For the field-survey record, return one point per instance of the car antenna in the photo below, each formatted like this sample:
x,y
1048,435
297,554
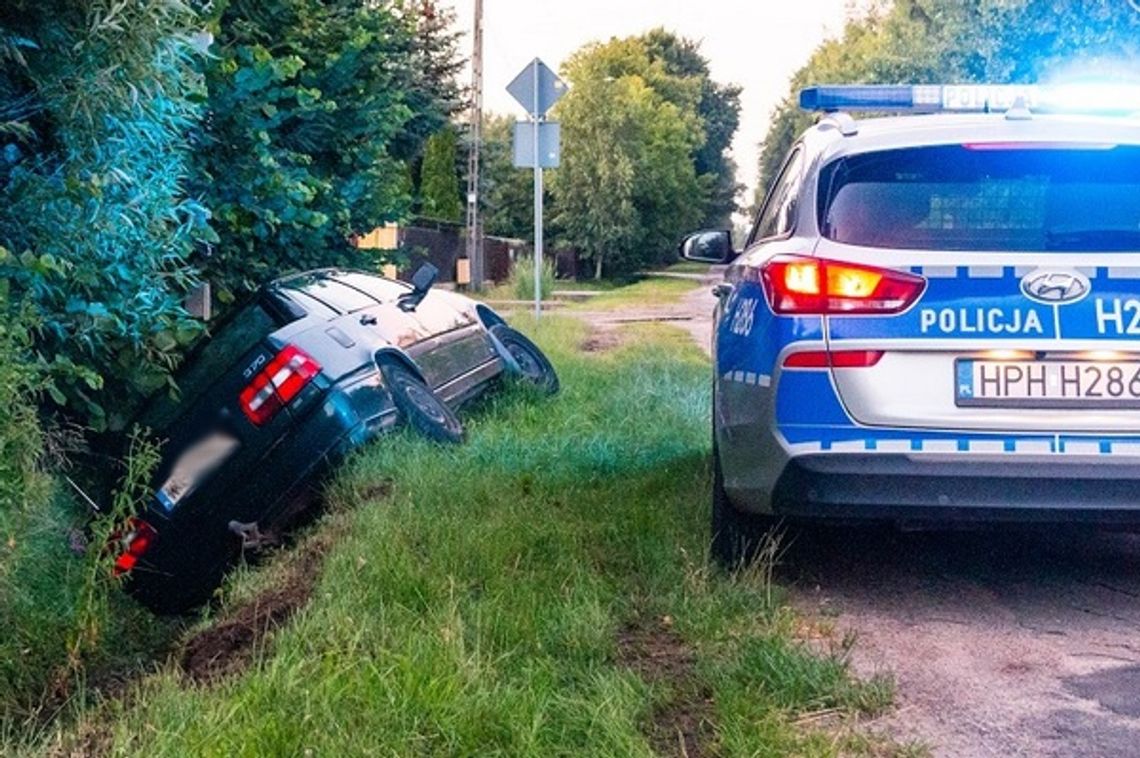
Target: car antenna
x,y
87,498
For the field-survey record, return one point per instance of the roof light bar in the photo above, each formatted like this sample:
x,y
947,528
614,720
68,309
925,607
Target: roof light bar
x,y
1091,98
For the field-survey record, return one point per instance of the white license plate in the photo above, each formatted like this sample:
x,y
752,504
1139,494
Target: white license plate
x,y
1048,384
194,465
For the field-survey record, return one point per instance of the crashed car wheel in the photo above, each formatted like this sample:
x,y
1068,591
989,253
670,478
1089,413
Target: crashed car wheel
x,y
736,535
533,365
420,407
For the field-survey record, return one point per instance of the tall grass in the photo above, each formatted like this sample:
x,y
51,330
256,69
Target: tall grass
x,y
521,280
476,605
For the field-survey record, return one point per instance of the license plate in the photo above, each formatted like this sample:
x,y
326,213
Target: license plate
x,y
194,466
1048,384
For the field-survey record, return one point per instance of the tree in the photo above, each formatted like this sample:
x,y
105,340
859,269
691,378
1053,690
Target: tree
x,y
96,98
315,109
439,183
628,187
999,41
719,109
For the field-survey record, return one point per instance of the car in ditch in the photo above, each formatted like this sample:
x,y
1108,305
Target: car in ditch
x,y
319,364
936,315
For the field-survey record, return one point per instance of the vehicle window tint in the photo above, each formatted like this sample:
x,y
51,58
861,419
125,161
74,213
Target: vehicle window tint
x,y
961,198
332,293
384,290
778,218
209,361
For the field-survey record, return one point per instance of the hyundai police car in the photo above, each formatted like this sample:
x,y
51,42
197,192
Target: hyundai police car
x,y
936,316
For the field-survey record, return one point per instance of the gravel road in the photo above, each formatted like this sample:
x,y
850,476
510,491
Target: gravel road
x,y
1003,642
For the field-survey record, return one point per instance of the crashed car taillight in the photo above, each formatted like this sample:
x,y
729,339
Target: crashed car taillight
x,y
132,544
277,384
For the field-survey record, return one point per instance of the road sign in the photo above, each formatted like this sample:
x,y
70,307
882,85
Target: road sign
x,y
537,88
549,144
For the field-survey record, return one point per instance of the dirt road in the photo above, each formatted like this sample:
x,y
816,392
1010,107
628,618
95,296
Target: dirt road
x,y
1003,643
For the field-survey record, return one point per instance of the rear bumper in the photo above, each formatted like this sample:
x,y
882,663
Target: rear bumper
x,y
901,488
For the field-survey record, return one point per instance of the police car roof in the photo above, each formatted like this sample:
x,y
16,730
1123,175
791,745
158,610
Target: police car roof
x,y
895,132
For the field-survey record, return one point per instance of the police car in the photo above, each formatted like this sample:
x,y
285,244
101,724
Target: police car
x,y
935,316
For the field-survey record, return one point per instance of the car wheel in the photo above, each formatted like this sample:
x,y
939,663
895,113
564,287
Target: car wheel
x,y
420,407
736,535
533,365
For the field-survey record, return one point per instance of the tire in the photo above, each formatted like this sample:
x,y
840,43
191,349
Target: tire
x,y
736,535
533,365
420,407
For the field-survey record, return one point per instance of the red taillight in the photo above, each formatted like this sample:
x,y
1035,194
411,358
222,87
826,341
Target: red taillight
x,y
132,544
278,383
803,285
837,359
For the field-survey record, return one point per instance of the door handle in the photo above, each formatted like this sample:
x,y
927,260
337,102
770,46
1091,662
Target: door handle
x,y
368,320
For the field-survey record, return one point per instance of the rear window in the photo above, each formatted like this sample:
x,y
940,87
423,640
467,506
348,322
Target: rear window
x,y
980,198
208,362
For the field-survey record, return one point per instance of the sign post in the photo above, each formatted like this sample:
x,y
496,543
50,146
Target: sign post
x,y
537,144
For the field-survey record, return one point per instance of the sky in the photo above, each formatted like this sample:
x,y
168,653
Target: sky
x,y
757,44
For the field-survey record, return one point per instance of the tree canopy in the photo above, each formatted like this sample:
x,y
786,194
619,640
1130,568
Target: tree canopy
x,y
639,167
930,42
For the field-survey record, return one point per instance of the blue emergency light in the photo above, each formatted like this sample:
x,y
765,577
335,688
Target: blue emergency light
x,y
1084,97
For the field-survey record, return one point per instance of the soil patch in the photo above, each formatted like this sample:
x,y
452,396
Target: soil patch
x,y
228,647
601,341
655,652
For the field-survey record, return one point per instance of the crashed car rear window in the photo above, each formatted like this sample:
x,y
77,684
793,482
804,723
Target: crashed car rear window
x,y
985,197
208,362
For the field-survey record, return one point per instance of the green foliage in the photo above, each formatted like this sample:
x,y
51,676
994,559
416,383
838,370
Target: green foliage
x,y
628,188
439,182
998,41
314,109
95,101
719,111
63,616
521,281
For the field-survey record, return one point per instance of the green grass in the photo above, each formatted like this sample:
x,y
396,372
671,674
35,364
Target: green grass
x,y
475,603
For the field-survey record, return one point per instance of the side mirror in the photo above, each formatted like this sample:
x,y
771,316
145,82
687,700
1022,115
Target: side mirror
x,y
708,247
422,282
424,278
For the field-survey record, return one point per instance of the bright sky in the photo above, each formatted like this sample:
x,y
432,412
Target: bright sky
x,y
757,44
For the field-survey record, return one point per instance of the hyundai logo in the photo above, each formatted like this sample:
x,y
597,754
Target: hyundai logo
x,y
1056,287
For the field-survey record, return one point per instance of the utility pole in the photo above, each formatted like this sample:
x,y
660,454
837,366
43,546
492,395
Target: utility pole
x,y
474,221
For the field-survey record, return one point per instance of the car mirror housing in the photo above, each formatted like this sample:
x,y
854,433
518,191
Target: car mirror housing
x,y
712,246
422,282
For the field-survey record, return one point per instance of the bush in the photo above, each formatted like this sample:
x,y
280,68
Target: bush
x,y
95,227
522,278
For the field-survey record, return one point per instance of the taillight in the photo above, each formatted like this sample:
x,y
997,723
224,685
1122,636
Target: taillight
x,y
803,285
279,382
132,544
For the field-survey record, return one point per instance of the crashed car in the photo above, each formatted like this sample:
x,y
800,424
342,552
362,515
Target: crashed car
x,y
935,317
317,365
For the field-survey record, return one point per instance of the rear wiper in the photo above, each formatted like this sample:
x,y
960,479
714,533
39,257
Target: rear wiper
x,y
1092,240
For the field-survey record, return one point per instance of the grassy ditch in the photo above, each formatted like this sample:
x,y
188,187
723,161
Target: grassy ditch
x,y
541,590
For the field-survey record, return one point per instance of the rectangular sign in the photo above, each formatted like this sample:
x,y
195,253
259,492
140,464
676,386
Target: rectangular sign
x,y
549,144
